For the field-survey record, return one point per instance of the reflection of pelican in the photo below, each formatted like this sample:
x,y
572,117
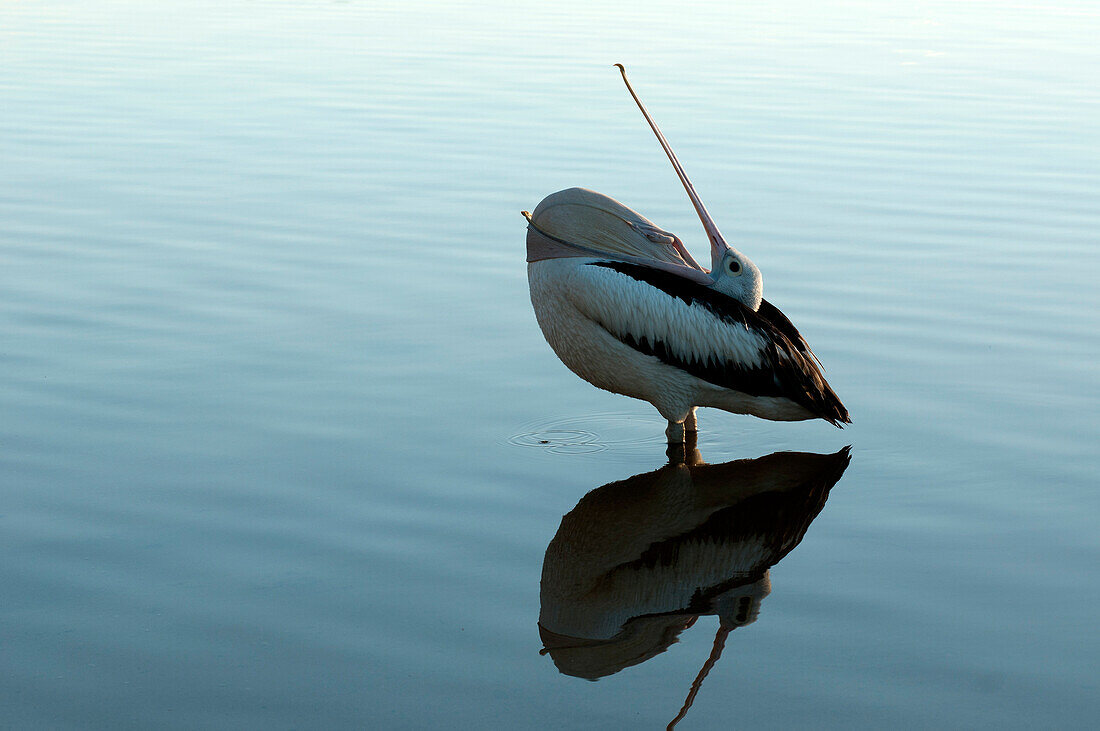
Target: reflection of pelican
x,y
636,562
627,308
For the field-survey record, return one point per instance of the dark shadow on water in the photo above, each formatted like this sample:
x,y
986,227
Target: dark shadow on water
x,y
638,561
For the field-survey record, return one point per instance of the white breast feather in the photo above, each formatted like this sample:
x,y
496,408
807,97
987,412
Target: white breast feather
x,y
626,306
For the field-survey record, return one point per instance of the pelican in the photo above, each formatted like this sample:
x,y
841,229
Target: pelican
x,y
625,306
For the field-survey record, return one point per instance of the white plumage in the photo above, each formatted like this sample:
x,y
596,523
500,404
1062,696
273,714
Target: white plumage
x,y
617,302
586,311
626,307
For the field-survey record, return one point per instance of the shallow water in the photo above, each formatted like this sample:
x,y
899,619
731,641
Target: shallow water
x,y
284,446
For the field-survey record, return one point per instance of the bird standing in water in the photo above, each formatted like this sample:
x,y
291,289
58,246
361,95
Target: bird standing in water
x,y
625,306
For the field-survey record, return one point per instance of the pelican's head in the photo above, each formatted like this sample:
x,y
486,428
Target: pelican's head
x,y
732,272
735,275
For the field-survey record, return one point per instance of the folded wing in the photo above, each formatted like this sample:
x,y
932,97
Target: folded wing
x,y
703,332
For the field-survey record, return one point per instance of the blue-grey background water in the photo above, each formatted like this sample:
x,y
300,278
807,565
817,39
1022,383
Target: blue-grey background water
x,y
281,443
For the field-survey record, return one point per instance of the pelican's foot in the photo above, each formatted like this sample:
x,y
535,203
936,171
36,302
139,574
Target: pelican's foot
x,y
675,432
691,423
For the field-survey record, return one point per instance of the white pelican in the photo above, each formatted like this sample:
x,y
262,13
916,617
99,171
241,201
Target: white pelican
x,y
627,308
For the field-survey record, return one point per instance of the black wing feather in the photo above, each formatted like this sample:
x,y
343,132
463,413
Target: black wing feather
x,y
790,368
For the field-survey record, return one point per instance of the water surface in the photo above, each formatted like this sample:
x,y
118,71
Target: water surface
x,y
283,446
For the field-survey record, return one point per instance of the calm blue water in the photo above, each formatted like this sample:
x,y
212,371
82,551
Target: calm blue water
x,y
283,447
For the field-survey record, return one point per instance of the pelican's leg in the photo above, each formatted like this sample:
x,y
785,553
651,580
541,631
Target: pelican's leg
x,y
691,423
675,432
684,453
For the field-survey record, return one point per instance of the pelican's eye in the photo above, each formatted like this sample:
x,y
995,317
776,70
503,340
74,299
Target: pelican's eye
x,y
733,267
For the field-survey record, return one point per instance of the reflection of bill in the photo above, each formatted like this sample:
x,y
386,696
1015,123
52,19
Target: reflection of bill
x,y
636,562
